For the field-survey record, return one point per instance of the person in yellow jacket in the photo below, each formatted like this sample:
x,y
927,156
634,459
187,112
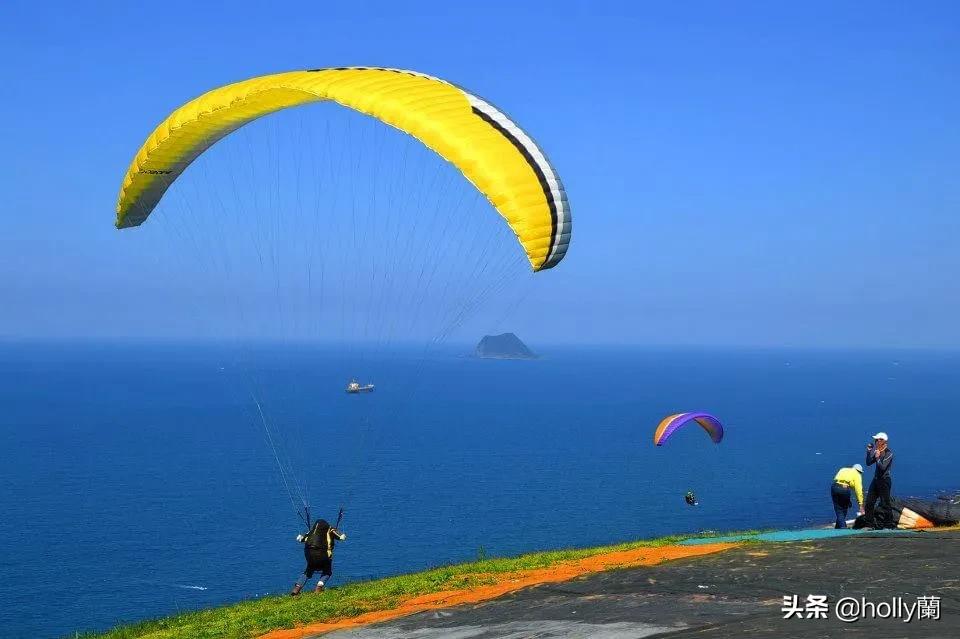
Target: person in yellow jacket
x,y
846,481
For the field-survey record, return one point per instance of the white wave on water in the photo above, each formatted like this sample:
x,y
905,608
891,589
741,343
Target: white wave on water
x,y
169,585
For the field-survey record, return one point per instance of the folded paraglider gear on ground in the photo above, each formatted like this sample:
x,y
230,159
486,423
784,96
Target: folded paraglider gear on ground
x,y
912,512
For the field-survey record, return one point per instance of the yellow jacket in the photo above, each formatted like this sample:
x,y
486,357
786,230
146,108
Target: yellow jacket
x,y
851,478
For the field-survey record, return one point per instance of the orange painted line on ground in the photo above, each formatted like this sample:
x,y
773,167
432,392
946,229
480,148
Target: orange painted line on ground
x,y
506,583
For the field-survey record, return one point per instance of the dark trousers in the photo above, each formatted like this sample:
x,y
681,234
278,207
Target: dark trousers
x,y
878,507
324,569
841,503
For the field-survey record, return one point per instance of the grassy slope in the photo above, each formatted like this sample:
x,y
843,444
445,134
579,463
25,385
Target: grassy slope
x,y
255,617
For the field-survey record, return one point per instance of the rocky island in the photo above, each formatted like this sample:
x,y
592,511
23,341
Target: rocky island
x,y
505,346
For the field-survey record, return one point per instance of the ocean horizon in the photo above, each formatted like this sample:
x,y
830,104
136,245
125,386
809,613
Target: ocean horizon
x,y
137,480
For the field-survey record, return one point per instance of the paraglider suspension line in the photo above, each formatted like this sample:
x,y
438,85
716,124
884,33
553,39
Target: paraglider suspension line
x,y
303,511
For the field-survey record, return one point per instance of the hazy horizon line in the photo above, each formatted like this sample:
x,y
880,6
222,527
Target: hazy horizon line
x,y
549,343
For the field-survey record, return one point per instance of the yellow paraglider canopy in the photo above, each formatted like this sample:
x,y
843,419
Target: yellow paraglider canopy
x,y
491,151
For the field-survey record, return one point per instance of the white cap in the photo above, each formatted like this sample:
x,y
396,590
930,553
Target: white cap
x,y
881,435
858,468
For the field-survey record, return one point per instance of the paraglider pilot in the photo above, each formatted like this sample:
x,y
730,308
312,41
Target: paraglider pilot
x,y
318,546
879,509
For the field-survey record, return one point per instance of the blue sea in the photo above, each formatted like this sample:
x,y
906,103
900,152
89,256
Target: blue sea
x,y
137,480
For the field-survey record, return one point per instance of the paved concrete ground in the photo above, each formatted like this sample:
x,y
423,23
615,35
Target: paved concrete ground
x,y
738,593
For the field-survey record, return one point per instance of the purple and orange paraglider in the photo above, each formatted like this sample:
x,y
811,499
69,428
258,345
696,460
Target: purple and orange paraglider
x,y
671,424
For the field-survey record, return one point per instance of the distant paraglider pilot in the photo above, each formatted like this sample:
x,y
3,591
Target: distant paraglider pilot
x,y
879,509
846,482
318,546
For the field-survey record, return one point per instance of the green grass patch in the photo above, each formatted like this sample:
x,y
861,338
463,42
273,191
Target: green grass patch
x,y
256,617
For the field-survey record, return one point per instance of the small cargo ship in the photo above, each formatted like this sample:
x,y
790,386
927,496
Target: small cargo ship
x,y
356,387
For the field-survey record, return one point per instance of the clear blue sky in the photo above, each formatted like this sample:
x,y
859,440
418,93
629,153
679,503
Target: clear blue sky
x,y
740,173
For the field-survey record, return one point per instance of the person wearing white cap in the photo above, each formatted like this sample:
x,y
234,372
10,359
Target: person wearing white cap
x,y
879,511
845,481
